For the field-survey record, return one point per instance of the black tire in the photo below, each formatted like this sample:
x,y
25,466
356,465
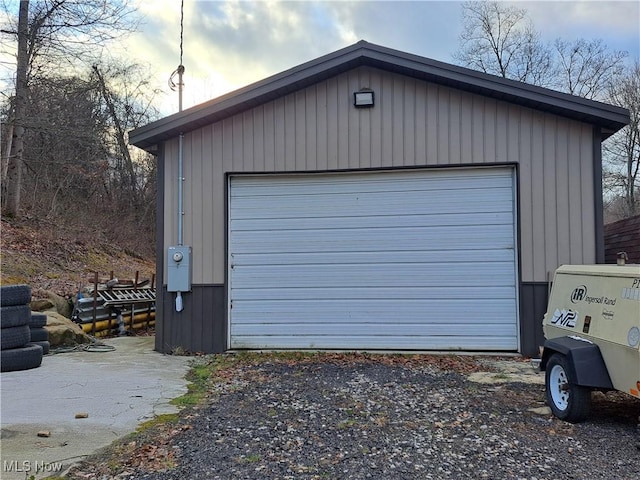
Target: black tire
x,y
46,346
24,358
14,337
568,401
38,320
15,295
14,316
39,335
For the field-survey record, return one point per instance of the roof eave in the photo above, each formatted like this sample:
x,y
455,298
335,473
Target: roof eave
x,y
610,118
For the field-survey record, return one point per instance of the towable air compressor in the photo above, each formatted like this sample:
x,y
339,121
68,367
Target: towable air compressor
x,y
592,332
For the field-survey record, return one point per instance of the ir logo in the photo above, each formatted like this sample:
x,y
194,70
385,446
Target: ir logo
x,y
579,294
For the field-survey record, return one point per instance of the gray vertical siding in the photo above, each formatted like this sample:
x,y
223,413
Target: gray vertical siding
x,y
597,193
200,327
414,123
533,305
160,248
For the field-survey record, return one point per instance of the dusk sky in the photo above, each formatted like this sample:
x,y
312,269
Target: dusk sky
x,y
230,44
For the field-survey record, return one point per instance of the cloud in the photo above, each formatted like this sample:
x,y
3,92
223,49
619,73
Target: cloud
x,y
265,36
231,43
616,22
605,15
428,28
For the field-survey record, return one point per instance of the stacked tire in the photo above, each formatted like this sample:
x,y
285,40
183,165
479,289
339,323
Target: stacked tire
x,y
39,334
17,351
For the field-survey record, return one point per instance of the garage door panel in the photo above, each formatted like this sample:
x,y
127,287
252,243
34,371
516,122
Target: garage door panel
x,y
370,342
347,184
361,221
473,293
354,330
429,252
417,256
310,311
369,275
398,208
383,238
448,202
488,193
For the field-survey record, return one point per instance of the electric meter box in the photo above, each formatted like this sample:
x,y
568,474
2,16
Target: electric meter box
x,y
179,269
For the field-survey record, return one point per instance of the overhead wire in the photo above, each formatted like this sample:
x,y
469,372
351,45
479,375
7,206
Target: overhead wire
x,y
180,70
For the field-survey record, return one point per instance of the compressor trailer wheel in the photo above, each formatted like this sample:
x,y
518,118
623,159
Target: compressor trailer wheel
x,y
568,401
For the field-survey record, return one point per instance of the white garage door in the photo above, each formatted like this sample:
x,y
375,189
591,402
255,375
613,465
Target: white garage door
x,y
386,260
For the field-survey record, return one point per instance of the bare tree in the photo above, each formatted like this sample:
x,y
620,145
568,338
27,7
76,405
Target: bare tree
x,y
125,155
127,103
500,39
622,150
13,180
62,33
586,67
74,161
64,155
51,36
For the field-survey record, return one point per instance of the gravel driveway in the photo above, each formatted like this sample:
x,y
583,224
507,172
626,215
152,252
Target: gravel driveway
x,y
388,417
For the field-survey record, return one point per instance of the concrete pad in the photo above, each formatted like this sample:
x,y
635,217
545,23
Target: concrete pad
x,y
117,390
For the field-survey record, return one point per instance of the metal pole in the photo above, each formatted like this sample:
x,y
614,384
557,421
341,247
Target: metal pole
x,y
95,303
180,187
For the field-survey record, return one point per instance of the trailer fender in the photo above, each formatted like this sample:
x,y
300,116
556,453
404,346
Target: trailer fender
x,y
585,363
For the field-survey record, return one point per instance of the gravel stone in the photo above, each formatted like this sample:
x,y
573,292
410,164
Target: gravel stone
x,y
373,420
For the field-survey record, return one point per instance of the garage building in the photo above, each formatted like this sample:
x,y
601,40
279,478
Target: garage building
x,y
374,200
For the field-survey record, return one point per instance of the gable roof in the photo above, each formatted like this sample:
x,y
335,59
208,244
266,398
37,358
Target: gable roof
x,y
608,117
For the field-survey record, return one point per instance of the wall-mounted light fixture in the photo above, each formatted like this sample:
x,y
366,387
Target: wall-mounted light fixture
x,y
363,98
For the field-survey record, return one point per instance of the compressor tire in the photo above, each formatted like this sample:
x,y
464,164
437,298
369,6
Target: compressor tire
x,y
14,337
39,335
24,358
15,295
14,316
568,401
38,320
